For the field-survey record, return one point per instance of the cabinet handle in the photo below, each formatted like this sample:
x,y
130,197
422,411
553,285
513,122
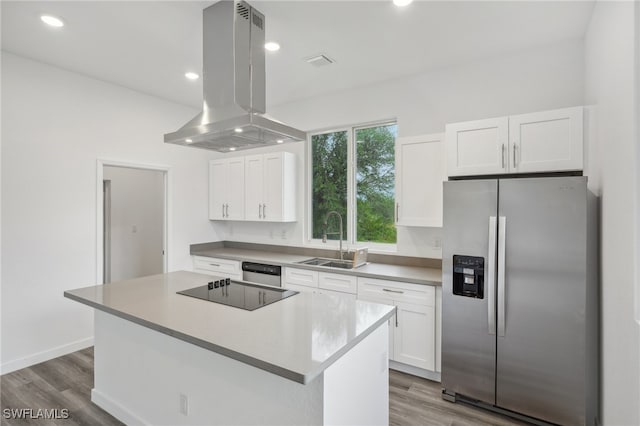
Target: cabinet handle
x,y
514,155
227,205
264,211
503,156
393,291
396,316
223,211
397,210
214,264
260,211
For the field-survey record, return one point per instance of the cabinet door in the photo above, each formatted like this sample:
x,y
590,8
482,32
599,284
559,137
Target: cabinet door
x,y
392,320
217,189
218,267
273,187
337,293
338,282
234,205
478,147
546,141
303,277
415,335
420,171
254,171
300,288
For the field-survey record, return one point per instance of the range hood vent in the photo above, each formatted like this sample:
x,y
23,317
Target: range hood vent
x,y
233,113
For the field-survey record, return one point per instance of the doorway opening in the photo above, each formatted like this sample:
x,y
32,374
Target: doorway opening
x,y
132,211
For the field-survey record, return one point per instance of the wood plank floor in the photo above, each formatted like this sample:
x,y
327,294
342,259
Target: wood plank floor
x,y
66,383
414,401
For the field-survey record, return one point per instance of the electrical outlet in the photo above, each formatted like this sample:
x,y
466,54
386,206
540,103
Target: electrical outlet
x,y
184,404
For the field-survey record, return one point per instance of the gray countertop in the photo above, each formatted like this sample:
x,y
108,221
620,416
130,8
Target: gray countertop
x,y
411,274
296,338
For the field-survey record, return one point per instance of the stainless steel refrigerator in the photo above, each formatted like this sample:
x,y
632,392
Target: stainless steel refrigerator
x,y
519,309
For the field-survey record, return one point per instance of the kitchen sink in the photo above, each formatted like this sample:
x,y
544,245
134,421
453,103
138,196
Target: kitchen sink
x,y
329,263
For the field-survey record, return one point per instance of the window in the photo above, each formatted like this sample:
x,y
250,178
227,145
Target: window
x,y
353,173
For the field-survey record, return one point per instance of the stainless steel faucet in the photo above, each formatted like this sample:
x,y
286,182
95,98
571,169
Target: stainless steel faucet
x,y
326,225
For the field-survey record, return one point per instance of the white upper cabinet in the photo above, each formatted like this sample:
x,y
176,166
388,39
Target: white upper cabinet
x,y
226,189
548,141
420,171
254,170
477,147
270,182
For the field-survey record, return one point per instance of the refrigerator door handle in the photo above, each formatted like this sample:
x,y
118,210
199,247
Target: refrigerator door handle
x,y
491,276
502,237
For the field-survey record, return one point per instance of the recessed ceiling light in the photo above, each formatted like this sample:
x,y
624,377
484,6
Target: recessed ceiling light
x,y
238,130
272,46
232,149
188,141
402,3
192,75
279,141
52,21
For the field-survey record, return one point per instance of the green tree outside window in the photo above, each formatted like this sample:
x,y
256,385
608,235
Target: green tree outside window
x,y
374,179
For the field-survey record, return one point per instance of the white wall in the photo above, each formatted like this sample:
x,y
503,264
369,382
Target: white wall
x,y
55,125
611,79
137,222
543,78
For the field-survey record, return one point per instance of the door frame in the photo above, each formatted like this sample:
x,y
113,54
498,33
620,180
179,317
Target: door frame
x,y
167,228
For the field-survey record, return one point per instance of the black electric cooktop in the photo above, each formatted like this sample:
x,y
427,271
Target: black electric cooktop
x,y
238,294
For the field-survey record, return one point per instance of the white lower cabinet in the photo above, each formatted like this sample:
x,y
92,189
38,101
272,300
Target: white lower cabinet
x,y
337,293
320,282
301,277
218,267
300,288
413,338
338,282
414,332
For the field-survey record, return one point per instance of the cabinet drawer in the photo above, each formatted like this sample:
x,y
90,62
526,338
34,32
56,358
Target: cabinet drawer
x,y
300,288
372,289
337,293
338,282
222,267
300,277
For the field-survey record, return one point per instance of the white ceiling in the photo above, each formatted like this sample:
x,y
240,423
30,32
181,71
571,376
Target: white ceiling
x,y
149,45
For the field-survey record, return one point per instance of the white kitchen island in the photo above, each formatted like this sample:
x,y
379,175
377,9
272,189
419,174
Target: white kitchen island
x,y
165,358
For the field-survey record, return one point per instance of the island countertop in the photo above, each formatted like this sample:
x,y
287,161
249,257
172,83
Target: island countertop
x,y
296,338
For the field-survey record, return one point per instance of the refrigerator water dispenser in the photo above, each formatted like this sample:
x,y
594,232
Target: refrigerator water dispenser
x,y
468,276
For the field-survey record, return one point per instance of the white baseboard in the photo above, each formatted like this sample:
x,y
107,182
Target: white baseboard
x,y
115,409
410,369
43,356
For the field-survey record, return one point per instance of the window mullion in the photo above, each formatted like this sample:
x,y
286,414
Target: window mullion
x,y
351,190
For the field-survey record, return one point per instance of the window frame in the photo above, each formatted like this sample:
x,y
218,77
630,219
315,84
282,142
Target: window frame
x,y
350,238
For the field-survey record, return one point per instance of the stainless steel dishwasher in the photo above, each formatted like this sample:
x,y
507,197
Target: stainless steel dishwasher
x,y
261,273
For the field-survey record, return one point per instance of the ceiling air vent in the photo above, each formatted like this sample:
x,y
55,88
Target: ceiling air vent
x,y
319,60
257,21
242,10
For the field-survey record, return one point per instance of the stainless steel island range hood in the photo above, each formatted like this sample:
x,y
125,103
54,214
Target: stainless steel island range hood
x,y
232,116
